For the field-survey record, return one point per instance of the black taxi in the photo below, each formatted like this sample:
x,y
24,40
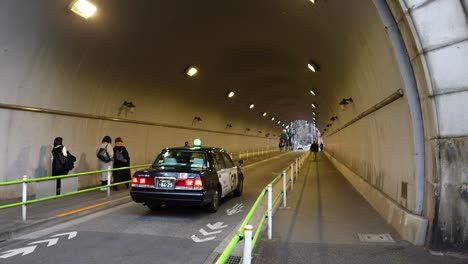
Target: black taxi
x,y
189,176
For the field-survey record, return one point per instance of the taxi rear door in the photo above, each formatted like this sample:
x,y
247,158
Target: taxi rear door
x,y
223,173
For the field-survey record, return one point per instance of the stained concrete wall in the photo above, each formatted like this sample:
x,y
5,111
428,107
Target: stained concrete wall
x,y
436,36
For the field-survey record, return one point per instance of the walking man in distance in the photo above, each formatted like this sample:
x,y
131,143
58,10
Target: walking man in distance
x,y
314,148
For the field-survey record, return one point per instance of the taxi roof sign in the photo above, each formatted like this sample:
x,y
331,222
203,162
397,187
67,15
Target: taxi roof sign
x,y
196,142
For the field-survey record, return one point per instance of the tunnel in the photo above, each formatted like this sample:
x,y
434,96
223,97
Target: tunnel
x,y
384,82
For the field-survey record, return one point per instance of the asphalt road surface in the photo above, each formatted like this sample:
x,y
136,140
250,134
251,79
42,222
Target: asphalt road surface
x,y
131,233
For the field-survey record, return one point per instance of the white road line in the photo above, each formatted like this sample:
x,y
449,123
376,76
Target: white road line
x,y
50,242
206,233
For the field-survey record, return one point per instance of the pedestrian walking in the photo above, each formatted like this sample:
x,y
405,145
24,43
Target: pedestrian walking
x,y
104,153
121,159
314,148
62,162
321,146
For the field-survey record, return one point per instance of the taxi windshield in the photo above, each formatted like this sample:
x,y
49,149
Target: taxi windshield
x,y
180,159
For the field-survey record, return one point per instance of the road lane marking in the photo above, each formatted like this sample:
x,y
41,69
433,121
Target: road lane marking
x,y
50,242
206,233
23,251
198,240
70,234
81,209
235,209
217,225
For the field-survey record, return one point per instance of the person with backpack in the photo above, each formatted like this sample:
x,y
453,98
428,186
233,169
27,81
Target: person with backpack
x,y
104,153
62,162
121,159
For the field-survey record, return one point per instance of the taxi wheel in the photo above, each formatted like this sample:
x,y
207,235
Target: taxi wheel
x,y
240,187
154,206
213,206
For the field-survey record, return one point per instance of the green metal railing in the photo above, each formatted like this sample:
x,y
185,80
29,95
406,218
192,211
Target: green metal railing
x,y
239,235
48,178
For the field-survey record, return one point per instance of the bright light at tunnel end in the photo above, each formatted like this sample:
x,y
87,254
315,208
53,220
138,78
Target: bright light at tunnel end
x,y
83,8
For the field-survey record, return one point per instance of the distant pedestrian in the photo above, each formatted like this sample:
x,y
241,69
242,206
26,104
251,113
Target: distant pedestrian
x,y
60,162
105,154
121,159
187,144
314,148
321,146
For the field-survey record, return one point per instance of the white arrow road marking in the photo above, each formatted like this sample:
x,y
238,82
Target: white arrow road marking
x,y
198,240
51,242
205,233
217,225
24,251
236,209
70,234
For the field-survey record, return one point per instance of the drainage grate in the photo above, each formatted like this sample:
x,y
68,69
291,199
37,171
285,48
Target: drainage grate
x,y
375,238
234,260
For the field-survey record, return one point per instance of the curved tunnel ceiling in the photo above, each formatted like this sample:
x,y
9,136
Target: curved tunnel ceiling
x,y
259,49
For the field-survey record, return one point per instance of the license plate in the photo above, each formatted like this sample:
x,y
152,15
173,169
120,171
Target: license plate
x,y
165,184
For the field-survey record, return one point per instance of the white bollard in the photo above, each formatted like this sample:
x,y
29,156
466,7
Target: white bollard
x,y
270,211
109,173
25,197
292,177
247,244
284,188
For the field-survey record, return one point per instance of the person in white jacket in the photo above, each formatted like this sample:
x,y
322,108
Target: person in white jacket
x,y
103,164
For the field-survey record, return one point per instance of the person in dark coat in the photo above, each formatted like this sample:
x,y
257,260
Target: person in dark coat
x,y
121,159
321,146
314,148
59,160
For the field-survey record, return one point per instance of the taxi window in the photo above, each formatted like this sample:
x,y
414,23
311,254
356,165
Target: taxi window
x,y
219,161
227,160
174,159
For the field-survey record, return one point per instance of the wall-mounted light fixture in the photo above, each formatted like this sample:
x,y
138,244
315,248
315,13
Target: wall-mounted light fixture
x,y
228,126
126,107
196,120
191,71
83,8
231,94
333,118
345,102
313,66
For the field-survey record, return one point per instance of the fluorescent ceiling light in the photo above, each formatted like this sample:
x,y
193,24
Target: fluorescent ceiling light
x,y
313,105
251,106
264,113
313,92
313,1
311,67
191,71
279,122
313,118
231,94
272,119
313,113
83,8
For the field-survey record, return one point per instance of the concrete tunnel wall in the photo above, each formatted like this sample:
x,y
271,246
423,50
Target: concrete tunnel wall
x,y
42,65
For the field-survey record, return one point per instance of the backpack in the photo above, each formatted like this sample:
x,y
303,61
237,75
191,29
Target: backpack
x,y
119,156
70,160
103,155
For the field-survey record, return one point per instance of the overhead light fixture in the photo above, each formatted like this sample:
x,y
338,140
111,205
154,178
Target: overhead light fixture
x,y
313,92
264,113
312,66
314,113
312,1
251,106
313,105
345,102
313,118
287,127
191,71
83,8
272,119
279,122
231,94
283,125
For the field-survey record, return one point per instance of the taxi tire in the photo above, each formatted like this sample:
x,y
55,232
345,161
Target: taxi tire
x,y
240,187
213,206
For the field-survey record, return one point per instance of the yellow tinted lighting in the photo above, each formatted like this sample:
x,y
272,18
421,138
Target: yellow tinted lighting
x,y
192,71
83,8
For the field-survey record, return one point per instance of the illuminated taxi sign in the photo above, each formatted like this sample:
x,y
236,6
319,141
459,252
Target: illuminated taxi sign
x,y
197,143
